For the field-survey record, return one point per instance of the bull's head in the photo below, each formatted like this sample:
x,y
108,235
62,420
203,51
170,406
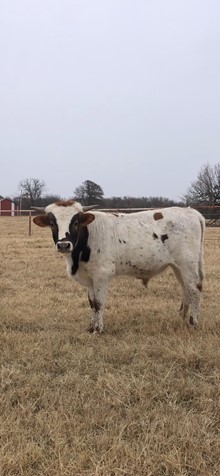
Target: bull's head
x,y
66,220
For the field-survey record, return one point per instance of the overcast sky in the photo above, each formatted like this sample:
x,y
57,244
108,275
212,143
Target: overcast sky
x,y
125,93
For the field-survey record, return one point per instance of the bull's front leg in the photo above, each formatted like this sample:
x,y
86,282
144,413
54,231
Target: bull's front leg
x,y
97,298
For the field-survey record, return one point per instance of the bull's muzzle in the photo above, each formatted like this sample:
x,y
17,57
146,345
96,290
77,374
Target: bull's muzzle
x,y
64,246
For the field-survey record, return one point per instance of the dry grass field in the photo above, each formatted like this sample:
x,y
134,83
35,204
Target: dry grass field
x,y
143,399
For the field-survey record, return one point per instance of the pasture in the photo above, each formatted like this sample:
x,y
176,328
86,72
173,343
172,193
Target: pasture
x,y
143,399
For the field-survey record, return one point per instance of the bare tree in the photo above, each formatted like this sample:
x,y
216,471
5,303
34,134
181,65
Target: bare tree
x,y
89,193
32,189
205,190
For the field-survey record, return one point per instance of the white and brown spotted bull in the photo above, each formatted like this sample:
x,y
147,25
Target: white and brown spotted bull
x,y
98,246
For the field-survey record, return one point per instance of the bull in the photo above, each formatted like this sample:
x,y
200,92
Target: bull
x,y
98,246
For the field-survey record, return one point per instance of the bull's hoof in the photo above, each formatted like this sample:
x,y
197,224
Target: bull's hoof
x,y
193,322
94,330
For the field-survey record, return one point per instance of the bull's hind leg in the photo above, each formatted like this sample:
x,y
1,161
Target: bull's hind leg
x,y
194,300
191,288
185,301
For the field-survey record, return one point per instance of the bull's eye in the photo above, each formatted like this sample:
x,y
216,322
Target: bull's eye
x,y
75,225
52,225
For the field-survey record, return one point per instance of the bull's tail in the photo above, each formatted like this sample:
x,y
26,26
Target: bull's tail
x,y
201,251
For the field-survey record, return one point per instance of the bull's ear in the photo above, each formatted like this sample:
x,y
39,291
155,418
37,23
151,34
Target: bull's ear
x,y
41,220
86,218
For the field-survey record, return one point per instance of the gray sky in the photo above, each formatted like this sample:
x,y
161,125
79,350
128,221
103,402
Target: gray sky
x,y
122,92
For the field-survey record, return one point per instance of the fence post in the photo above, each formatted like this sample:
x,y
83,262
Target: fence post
x,y
30,216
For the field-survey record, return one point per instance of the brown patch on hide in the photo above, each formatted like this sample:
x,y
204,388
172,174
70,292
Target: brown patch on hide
x,y
158,216
65,203
199,287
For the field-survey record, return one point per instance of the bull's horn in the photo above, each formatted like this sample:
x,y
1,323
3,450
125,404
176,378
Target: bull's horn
x,y
86,208
38,209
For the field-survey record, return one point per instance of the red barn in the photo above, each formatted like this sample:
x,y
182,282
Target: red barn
x,y
8,207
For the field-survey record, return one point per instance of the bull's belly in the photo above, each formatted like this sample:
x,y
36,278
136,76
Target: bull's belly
x,y
140,271
93,270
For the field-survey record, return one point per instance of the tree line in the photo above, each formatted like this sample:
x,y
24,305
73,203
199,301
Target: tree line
x,y
205,190
88,193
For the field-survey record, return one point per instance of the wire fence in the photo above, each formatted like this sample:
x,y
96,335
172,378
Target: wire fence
x,y
22,224
211,214
19,221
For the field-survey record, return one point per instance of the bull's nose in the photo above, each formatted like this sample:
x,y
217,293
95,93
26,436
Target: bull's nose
x,y
64,246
